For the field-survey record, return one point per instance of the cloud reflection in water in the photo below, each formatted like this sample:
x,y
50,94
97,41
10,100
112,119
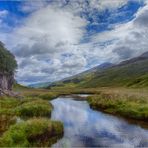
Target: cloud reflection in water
x,y
86,127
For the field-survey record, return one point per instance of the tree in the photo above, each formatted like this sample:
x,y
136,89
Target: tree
x,y
8,63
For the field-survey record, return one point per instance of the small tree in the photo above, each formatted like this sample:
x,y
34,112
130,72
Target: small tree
x,y
8,63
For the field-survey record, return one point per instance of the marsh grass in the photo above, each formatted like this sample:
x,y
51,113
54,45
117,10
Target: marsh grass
x,y
7,113
35,108
11,108
37,132
124,105
33,130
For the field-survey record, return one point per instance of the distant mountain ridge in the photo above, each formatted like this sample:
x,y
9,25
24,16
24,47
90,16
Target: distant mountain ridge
x,y
144,56
94,69
132,72
40,85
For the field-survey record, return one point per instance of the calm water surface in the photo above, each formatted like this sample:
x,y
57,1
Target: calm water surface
x,y
84,127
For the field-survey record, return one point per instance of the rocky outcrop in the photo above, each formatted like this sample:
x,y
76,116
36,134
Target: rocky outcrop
x,y
6,83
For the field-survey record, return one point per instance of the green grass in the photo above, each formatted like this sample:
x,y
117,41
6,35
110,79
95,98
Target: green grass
x,y
35,108
49,95
7,113
29,107
120,76
123,105
11,108
6,121
33,130
32,133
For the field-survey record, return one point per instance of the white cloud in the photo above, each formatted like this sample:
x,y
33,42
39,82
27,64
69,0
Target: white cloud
x,y
45,36
3,13
49,46
107,4
125,40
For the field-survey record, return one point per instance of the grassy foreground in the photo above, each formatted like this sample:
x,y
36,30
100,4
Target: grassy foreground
x,y
33,107
24,121
37,132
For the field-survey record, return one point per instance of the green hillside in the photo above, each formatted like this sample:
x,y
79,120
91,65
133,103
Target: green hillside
x,y
133,74
130,73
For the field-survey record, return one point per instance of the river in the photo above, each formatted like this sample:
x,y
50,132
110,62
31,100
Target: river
x,y
84,127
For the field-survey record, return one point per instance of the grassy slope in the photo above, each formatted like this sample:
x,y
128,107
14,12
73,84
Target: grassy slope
x,y
135,74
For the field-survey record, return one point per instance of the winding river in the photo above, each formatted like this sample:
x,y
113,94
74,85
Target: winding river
x,y
84,127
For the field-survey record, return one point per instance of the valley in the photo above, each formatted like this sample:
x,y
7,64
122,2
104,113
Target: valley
x,y
111,91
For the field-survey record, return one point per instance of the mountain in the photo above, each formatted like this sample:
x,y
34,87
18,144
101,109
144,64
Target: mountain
x,y
74,78
129,73
40,85
100,67
142,57
81,76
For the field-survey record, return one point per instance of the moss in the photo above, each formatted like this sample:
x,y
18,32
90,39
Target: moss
x,y
35,108
34,132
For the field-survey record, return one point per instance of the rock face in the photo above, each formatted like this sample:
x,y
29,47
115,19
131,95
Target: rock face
x,y
6,81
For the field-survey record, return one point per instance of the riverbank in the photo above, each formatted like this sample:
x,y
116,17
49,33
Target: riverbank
x,y
85,127
131,103
34,103
132,107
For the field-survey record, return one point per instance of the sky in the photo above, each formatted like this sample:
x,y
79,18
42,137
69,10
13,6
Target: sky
x,y
54,39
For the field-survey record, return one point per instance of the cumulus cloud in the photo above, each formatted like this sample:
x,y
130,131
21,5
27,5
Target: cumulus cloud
x,y
126,40
50,29
46,36
52,41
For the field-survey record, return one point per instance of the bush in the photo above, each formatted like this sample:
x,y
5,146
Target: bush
x,y
32,133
